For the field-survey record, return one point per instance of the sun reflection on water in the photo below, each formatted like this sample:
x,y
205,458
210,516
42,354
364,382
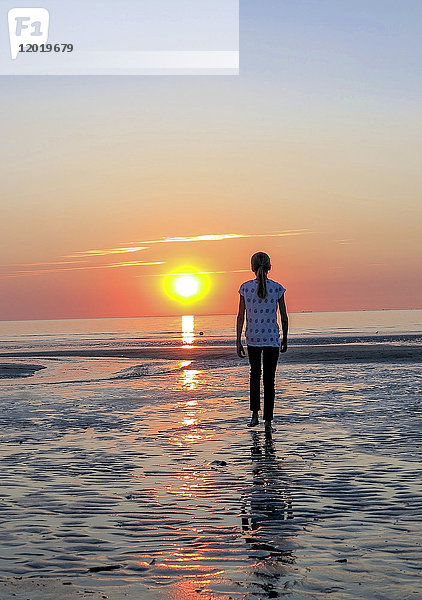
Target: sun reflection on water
x,y
188,336
191,484
188,380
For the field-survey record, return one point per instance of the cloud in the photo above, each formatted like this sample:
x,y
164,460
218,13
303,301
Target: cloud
x,y
196,238
138,247
55,262
132,263
225,236
105,252
197,273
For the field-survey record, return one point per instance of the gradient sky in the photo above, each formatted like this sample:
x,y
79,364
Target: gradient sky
x,y
312,154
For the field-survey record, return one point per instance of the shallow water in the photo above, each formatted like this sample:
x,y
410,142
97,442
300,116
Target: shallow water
x,y
199,330
159,478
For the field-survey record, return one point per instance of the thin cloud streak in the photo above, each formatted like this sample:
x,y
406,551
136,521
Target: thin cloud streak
x,y
195,273
105,252
196,238
226,236
141,246
133,263
37,264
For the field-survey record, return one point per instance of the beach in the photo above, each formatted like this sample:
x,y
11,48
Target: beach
x,y
131,473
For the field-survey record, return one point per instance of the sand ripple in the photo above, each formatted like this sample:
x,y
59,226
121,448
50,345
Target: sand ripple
x,y
157,480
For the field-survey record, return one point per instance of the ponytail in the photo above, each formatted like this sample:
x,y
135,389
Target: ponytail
x,y
261,264
262,282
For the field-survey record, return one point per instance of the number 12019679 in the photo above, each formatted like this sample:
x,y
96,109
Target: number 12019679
x,y
46,48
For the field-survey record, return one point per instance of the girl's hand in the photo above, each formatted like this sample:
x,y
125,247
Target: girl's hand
x,y
283,347
240,349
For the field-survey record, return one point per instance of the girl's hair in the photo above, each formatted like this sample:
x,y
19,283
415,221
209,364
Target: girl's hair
x,y
260,263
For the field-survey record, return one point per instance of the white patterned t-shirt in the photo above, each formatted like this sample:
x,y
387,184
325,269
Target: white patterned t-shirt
x,y
261,313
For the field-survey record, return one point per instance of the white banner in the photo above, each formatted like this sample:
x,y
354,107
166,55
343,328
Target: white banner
x,y
119,37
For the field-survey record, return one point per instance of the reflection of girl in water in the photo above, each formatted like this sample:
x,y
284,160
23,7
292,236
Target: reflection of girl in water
x,y
260,297
267,506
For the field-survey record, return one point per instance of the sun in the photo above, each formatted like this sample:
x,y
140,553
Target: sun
x,y
186,285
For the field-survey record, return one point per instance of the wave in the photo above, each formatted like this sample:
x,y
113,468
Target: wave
x,y
133,372
147,370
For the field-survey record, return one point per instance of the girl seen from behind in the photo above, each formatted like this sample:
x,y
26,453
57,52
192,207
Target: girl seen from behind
x,y
259,298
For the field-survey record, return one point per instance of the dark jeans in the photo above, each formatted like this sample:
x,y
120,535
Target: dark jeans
x,y
269,363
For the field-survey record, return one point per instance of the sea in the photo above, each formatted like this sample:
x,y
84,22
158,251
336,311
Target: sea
x,y
202,330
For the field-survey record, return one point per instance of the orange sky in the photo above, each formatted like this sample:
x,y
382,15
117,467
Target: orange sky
x,y
319,273
314,159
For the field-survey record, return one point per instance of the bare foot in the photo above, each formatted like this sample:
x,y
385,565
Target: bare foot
x,y
254,421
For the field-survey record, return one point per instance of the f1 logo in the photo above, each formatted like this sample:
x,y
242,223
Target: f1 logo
x,y
27,26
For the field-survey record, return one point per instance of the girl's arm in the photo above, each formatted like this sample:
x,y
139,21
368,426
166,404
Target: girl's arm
x,y
284,322
239,326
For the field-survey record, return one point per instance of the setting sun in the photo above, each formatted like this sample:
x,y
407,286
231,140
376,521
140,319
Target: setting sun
x,y
186,286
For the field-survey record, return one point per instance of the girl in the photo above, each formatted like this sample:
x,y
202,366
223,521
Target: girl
x,y
260,297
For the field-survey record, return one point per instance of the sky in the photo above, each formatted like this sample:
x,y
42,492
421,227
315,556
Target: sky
x,y
311,154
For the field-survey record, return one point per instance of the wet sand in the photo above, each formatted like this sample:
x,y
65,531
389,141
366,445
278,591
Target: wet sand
x,y
297,354
153,487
